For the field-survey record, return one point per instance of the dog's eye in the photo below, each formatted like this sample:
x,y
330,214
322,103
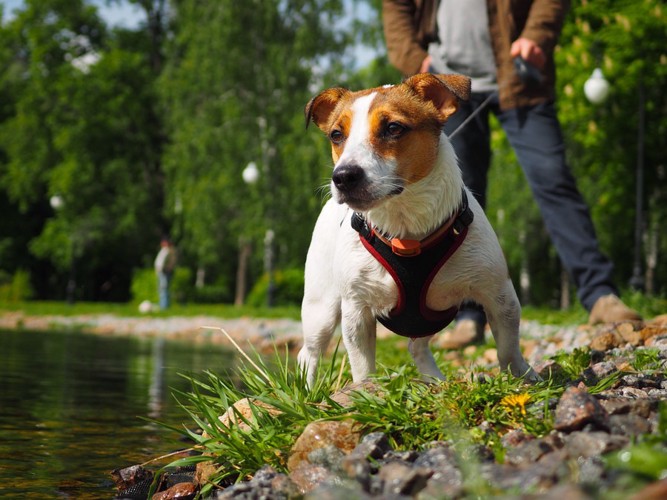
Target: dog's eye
x,y
336,136
395,129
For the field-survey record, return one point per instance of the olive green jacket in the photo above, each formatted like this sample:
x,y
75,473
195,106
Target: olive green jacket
x,y
410,25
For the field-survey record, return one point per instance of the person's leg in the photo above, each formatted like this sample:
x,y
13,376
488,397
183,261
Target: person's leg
x,y
163,290
536,137
472,146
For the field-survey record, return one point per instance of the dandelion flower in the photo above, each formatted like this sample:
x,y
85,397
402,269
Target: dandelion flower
x,y
514,400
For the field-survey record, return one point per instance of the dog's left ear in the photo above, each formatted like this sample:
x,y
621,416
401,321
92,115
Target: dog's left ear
x,y
319,108
443,91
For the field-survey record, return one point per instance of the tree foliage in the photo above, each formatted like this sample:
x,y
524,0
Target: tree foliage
x,y
144,130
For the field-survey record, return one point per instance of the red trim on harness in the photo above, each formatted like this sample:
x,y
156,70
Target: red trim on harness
x,y
400,304
426,312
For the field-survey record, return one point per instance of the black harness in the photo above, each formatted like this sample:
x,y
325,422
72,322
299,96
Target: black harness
x,y
413,265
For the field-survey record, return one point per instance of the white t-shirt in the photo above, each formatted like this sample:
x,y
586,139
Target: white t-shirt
x,y
464,45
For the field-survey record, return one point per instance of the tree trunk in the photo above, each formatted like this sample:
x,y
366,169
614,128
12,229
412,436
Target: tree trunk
x,y
242,270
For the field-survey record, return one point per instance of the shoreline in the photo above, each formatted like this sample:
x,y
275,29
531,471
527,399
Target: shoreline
x,y
197,329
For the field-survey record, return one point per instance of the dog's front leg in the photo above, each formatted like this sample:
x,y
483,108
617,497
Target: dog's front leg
x,y
320,315
423,358
359,329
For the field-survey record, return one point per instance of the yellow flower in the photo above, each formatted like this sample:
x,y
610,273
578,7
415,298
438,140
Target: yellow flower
x,y
514,400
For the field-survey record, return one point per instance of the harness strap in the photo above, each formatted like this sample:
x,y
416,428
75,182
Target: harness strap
x,y
413,272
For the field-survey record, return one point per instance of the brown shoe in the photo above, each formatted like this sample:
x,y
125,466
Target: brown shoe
x,y
466,331
610,309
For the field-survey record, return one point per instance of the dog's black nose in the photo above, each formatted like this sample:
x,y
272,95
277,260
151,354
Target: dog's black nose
x,y
347,177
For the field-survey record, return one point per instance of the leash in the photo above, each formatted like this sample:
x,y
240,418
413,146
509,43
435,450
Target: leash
x,y
528,73
472,115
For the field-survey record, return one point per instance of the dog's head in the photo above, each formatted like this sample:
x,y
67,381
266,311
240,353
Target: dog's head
x,y
385,138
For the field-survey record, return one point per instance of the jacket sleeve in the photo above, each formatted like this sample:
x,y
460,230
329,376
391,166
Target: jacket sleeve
x,y
401,36
545,21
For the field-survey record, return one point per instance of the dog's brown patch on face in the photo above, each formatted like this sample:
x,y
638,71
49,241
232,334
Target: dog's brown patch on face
x,y
404,129
342,124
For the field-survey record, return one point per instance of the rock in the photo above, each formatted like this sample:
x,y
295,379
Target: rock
x,y
549,369
447,479
566,491
531,451
618,406
577,408
654,491
184,491
343,435
374,445
337,491
129,477
590,444
307,476
327,456
659,321
603,369
343,396
408,456
629,334
605,341
630,425
266,483
514,438
401,479
245,407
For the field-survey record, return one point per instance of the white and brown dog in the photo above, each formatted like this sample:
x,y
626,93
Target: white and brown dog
x,y
402,241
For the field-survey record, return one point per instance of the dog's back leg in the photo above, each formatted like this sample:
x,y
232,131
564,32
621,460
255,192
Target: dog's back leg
x,y
423,358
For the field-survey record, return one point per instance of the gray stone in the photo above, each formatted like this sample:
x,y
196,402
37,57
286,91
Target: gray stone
x,y
401,479
576,409
531,451
629,425
590,444
337,491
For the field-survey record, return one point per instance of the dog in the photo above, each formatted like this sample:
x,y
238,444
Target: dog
x,y
397,197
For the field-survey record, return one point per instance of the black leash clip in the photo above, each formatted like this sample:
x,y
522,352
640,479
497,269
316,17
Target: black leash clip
x,y
528,73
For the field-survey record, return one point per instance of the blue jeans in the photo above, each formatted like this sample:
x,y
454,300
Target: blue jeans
x,y
163,282
535,135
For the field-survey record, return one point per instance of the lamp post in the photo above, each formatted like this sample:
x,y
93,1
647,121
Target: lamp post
x,y
57,203
250,176
596,89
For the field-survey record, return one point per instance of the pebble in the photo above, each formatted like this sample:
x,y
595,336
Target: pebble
x,y
333,461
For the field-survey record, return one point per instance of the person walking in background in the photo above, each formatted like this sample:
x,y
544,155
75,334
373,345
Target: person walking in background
x,y
165,262
483,39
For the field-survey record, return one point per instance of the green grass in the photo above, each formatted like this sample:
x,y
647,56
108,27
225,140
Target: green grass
x,y
411,412
468,410
46,308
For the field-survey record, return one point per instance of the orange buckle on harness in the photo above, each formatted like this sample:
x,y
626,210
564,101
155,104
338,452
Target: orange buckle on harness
x,y
406,248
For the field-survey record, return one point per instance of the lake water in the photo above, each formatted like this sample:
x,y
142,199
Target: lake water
x,y
71,407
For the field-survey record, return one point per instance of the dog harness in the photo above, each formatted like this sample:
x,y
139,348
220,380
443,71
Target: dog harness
x,y
413,265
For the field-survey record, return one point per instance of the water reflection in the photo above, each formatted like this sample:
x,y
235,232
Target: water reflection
x,y
70,408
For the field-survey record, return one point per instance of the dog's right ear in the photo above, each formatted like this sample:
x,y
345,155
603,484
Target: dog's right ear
x,y
319,108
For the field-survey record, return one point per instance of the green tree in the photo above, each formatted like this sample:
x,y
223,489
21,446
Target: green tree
x,y
627,40
237,79
84,131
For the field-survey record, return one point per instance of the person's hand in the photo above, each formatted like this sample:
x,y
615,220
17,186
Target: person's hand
x,y
426,64
529,51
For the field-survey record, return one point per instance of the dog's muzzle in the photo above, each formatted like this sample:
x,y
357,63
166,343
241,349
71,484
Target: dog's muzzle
x,y
353,186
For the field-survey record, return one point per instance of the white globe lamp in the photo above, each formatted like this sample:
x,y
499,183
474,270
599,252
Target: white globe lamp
x,y
596,87
250,173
